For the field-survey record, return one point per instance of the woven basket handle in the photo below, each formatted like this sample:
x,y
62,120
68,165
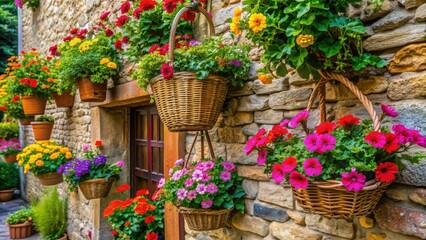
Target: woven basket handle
x,y
190,7
319,91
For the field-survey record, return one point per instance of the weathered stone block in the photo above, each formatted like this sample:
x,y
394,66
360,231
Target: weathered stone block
x,y
218,234
411,58
253,69
291,99
235,153
251,224
296,80
269,116
250,129
337,227
401,218
240,118
221,15
270,212
251,188
396,38
418,195
232,135
292,231
246,90
398,192
277,85
421,13
276,194
253,103
369,13
407,85
376,236
250,236
253,172
411,3
298,217
248,203
230,107
373,84
393,20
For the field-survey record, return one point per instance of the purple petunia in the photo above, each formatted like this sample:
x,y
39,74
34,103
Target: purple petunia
x,y
161,183
191,195
208,166
194,43
188,183
212,188
225,176
179,162
101,159
236,63
181,193
201,188
197,175
206,177
82,168
228,166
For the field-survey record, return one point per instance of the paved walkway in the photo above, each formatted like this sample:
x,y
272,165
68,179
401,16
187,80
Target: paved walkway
x,y
5,209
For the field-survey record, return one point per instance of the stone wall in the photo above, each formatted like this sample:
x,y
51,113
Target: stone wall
x,y
396,32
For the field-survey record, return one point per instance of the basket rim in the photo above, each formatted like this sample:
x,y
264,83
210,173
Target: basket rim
x,y
186,210
97,180
338,185
160,77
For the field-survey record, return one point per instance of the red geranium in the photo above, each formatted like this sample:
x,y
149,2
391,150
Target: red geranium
x,y
347,121
123,187
151,236
325,127
112,206
164,49
167,71
146,5
15,98
137,12
67,38
386,171
114,232
156,194
125,7
153,48
149,219
121,20
125,39
104,15
98,143
170,5
142,192
109,32
118,44
392,143
142,208
74,31
33,83
3,108
189,16
127,203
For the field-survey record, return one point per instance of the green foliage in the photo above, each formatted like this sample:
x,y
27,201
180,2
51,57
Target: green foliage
x,y
9,176
23,215
8,32
45,118
33,4
9,130
13,103
209,57
336,40
50,215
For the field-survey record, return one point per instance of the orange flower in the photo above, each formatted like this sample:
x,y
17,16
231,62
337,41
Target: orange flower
x,y
112,206
51,80
305,40
264,79
141,208
126,203
127,223
142,192
45,86
123,187
45,68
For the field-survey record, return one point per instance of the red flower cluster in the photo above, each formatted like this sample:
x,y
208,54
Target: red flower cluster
x,y
3,108
151,236
149,219
98,143
80,34
167,71
386,171
388,141
125,7
121,20
146,5
54,50
170,5
67,38
29,81
109,32
15,98
112,206
143,207
118,45
137,12
189,16
142,192
104,15
325,127
123,187
347,121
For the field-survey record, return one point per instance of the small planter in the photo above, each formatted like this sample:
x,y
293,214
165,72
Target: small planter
x,y
42,130
10,158
49,179
33,105
64,100
6,195
65,237
23,230
90,91
26,121
205,219
96,188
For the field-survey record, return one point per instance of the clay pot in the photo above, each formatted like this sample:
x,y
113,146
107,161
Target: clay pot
x,y
65,237
6,195
10,158
26,121
23,230
90,91
33,105
49,179
64,100
96,188
42,130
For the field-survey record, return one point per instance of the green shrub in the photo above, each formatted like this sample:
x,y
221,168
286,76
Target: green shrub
x,y
9,130
45,118
50,215
21,216
9,176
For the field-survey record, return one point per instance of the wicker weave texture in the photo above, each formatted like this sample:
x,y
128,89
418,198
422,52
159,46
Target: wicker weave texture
x,y
186,103
96,188
205,219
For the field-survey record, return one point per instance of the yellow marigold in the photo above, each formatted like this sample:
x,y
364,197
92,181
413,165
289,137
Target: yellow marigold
x,y
238,12
264,78
20,162
33,159
54,156
112,65
47,151
26,168
257,22
39,155
39,163
84,47
234,28
64,150
18,156
68,155
104,60
305,40
74,41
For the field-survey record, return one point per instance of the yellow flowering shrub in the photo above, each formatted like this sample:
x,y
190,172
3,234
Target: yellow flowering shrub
x,y
43,157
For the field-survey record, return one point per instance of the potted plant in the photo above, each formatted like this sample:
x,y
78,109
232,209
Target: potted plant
x,y
63,91
339,169
42,127
9,149
12,106
136,218
90,58
30,78
33,4
204,192
91,173
20,223
9,130
43,159
9,179
50,215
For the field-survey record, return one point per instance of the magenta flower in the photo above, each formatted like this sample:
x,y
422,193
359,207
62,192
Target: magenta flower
x,y
177,175
212,188
300,117
191,195
325,143
261,156
252,142
402,133
262,142
389,111
278,173
289,164
201,188
311,142
353,181
197,175
120,164
181,193
161,183
228,166
206,177
206,203
179,162
298,180
86,147
208,166
417,139
312,167
284,123
376,139
225,176
188,183
18,3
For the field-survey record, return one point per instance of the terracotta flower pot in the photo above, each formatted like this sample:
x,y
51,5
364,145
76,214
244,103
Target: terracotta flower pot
x,y
10,158
23,230
64,100
33,105
96,188
90,91
65,237
49,179
42,130
6,195
26,121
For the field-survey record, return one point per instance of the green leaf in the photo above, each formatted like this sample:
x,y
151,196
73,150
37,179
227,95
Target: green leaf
x,y
329,47
281,70
302,9
308,20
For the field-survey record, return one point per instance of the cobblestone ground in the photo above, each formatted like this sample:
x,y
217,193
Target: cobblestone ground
x,y
5,209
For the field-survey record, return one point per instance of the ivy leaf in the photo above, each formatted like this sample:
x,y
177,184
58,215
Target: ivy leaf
x,y
322,24
308,20
355,25
302,9
303,71
329,47
281,70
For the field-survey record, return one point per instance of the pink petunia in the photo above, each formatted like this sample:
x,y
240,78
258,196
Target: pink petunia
x,y
312,167
311,142
289,164
298,180
353,181
325,143
403,134
181,193
284,123
189,183
262,142
389,111
161,183
206,177
212,188
277,173
206,203
417,139
197,175
261,156
228,166
298,118
225,176
252,142
376,139
201,188
191,195
179,162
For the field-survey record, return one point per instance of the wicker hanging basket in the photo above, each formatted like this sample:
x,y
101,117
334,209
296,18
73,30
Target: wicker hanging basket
x,y
330,198
96,188
205,219
186,103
